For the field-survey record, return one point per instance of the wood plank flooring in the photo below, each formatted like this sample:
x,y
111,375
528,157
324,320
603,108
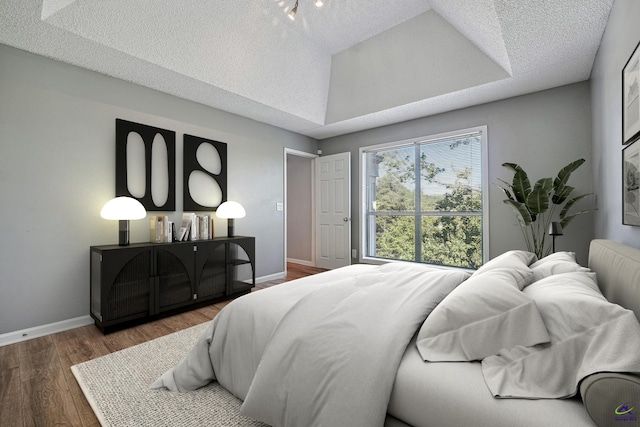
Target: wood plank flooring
x,y
37,387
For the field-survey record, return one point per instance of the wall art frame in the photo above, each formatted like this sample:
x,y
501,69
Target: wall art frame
x,y
631,184
204,161
631,98
124,161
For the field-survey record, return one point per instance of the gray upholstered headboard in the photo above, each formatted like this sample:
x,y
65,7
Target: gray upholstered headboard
x,y
618,270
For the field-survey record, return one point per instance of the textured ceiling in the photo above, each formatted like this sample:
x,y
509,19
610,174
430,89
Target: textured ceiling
x,y
348,66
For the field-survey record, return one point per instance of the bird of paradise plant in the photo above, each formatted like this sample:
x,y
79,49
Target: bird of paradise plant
x,y
535,205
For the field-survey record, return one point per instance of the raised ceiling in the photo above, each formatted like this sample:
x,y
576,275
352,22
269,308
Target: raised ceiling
x,y
348,66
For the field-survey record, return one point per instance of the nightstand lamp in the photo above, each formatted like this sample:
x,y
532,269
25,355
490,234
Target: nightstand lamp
x,y
123,209
230,211
555,229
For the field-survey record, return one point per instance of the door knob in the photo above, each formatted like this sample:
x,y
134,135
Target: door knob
x,y
345,219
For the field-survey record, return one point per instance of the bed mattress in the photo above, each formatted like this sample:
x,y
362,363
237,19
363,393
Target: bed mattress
x,y
437,394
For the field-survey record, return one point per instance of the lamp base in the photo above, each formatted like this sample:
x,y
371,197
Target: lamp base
x,y
230,227
123,232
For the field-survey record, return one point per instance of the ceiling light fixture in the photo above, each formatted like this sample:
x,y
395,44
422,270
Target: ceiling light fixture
x,y
292,13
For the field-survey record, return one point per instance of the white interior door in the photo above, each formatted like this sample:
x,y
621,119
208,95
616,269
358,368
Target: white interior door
x,y
333,210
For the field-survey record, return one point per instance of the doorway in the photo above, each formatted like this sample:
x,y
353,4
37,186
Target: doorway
x,y
299,208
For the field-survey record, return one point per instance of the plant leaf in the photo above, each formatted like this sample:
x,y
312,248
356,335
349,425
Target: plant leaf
x,y
506,192
513,166
544,184
561,195
538,201
570,203
565,174
521,186
567,219
523,215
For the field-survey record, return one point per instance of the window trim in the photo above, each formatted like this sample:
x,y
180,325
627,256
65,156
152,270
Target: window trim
x,y
416,141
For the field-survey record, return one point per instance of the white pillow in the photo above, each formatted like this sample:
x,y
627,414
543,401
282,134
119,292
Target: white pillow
x,y
556,256
557,263
518,260
588,335
483,315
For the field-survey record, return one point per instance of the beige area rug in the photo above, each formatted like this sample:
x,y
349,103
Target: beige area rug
x,y
117,388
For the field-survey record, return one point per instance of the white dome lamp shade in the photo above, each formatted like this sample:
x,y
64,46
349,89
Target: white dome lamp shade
x,y
230,210
123,209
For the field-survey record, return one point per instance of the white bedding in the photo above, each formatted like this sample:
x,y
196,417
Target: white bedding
x,y
588,335
330,349
325,353
242,331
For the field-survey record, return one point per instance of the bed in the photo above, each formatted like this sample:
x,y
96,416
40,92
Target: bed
x,y
520,341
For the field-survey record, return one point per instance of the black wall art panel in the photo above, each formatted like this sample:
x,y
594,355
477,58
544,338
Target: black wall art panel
x,y
204,173
146,165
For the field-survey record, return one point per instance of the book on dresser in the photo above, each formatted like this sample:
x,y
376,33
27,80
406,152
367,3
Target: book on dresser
x,y
161,229
192,228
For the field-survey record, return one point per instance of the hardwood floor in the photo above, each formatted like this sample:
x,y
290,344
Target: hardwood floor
x,y
37,387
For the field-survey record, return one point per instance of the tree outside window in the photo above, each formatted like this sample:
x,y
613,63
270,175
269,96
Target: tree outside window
x,y
423,201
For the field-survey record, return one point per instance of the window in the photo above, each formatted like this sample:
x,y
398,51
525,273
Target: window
x,y
426,200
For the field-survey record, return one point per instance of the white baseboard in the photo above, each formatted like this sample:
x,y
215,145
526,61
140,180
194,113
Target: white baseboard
x,y
274,276
302,262
40,331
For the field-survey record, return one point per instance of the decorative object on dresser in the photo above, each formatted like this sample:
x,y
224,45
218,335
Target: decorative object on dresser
x,y
230,210
144,281
123,209
146,164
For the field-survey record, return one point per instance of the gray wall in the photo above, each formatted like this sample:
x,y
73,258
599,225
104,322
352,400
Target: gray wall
x,y
542,132
620,38
57,169
299,208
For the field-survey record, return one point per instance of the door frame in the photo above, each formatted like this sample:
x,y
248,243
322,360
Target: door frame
x,y
312,192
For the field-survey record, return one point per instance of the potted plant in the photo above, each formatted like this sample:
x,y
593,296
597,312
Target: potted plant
x,y
535,206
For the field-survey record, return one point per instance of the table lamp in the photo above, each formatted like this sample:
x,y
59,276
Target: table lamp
x,y
230,211
555,229
123,209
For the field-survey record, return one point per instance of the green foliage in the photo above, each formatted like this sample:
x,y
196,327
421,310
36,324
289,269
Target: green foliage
x,y
395,196
448,235
395,237
450,239
535,207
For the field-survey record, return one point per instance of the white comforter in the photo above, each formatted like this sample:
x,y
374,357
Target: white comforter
x,y
323,350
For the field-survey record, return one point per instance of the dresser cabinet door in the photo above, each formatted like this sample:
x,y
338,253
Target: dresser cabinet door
x,y
121,279
174,276
211,269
